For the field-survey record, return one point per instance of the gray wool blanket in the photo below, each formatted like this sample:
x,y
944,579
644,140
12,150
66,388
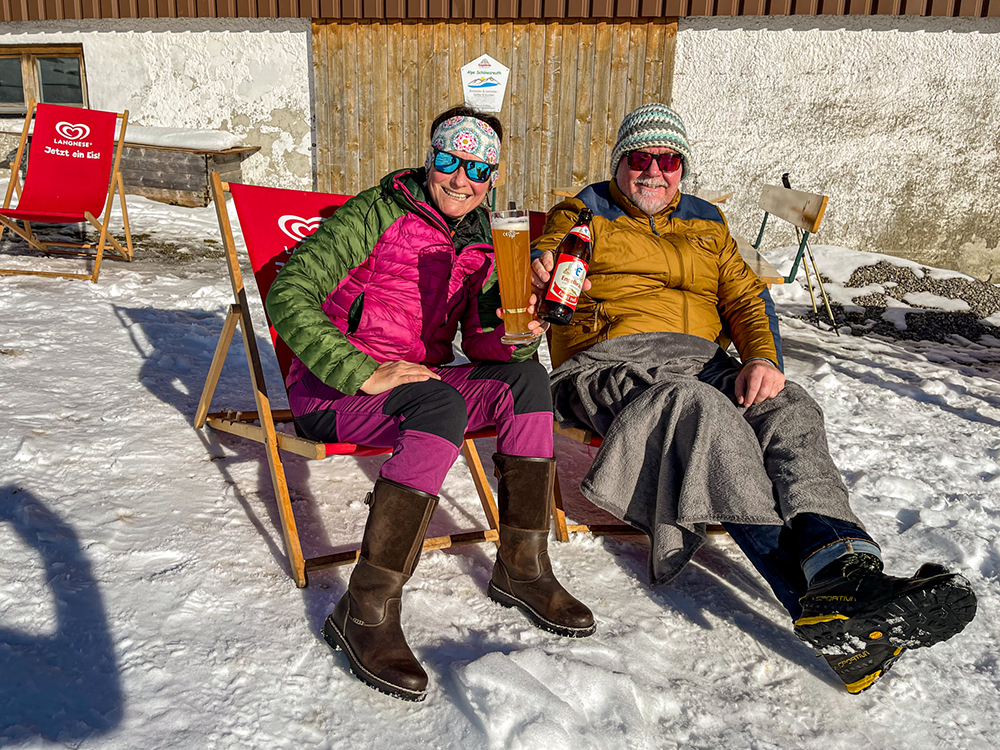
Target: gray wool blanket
x,y
679,454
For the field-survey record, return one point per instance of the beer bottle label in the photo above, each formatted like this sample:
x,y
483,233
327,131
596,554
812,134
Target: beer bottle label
x,y
567,280
582,231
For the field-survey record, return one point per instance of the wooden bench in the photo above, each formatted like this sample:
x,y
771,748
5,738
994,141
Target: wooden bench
x,y
758,263
177,175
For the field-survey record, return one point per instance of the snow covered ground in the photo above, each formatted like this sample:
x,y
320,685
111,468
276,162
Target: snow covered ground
x,y
145,600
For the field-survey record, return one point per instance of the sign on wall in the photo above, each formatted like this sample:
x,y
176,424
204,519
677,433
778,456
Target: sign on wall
x,y
484,82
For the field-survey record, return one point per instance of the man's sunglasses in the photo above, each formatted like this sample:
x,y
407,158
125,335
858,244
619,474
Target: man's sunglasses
x,y
477,171
639,161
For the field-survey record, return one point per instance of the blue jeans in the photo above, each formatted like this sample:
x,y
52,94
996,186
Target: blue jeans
x,y
790,556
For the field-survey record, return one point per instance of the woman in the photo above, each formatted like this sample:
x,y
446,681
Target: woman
x,y
370,304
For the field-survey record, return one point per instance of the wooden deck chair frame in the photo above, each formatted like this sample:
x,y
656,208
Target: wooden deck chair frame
x,y
116,185
563,530
242,424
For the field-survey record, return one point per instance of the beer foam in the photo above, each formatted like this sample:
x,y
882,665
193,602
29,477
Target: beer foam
x,y
514,223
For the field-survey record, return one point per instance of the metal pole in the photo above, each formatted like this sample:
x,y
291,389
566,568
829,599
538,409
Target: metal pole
x,y
822,291
812,295
804,241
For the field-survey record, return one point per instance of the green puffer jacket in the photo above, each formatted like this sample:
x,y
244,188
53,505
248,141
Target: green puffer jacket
x,y
678,271
382,280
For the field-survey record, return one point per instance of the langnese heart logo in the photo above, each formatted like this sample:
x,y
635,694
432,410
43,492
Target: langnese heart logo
x,y
298,228
71,131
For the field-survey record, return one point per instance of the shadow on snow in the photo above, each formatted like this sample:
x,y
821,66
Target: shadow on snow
x,y
62,686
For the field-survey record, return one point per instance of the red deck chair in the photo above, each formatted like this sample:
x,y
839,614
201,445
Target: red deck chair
x,y
584,437
72,177
274,221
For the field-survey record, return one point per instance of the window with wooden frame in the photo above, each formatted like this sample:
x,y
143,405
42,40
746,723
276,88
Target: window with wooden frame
x,y
50,73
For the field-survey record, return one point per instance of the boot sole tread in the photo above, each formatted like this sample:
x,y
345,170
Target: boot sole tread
x,y
919,619
336,640
509,600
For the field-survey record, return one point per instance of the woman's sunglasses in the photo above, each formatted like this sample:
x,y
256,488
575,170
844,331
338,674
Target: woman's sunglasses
x,y
477,171
639,161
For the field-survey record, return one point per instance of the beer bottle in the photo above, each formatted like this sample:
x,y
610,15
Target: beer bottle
x,y
569,272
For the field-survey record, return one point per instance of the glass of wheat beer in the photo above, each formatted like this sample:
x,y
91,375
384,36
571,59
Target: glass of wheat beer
x,y
511,247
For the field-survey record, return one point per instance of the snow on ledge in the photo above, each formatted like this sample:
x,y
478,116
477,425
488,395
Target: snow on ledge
x,y
143,135
202,140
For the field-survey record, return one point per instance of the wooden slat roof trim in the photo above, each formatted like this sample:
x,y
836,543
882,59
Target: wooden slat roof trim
x,y
501,10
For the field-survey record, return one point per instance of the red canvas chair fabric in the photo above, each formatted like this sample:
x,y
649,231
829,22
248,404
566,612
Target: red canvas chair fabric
x,y
72,175
274,221
69,167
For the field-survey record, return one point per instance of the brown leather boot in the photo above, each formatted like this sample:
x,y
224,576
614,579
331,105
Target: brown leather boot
x,y
522,575
365,622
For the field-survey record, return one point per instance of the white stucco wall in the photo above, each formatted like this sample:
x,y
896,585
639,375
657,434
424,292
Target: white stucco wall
x,y
249,77
896,119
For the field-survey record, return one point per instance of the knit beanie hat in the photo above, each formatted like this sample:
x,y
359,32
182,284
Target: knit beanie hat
x,y
652,125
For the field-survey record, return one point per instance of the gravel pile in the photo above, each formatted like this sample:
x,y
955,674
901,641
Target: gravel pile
x,y
983,300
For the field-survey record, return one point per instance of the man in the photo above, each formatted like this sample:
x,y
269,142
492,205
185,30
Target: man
x,y
692,436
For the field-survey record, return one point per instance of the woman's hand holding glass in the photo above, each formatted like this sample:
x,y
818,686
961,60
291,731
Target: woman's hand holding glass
x,y
536,326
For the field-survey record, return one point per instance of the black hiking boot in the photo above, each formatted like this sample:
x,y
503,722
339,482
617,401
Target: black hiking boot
x,y
851,605
860,670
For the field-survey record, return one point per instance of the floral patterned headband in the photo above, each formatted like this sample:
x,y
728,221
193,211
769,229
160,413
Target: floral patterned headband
x,y
468,135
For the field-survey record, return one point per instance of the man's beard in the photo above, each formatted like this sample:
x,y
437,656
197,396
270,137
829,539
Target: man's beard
x,y
649,203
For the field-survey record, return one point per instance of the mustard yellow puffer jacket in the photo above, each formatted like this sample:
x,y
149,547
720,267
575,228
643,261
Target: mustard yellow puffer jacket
x,y
678,271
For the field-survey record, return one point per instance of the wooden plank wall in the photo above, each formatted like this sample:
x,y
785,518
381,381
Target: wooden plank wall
x,y
379,86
